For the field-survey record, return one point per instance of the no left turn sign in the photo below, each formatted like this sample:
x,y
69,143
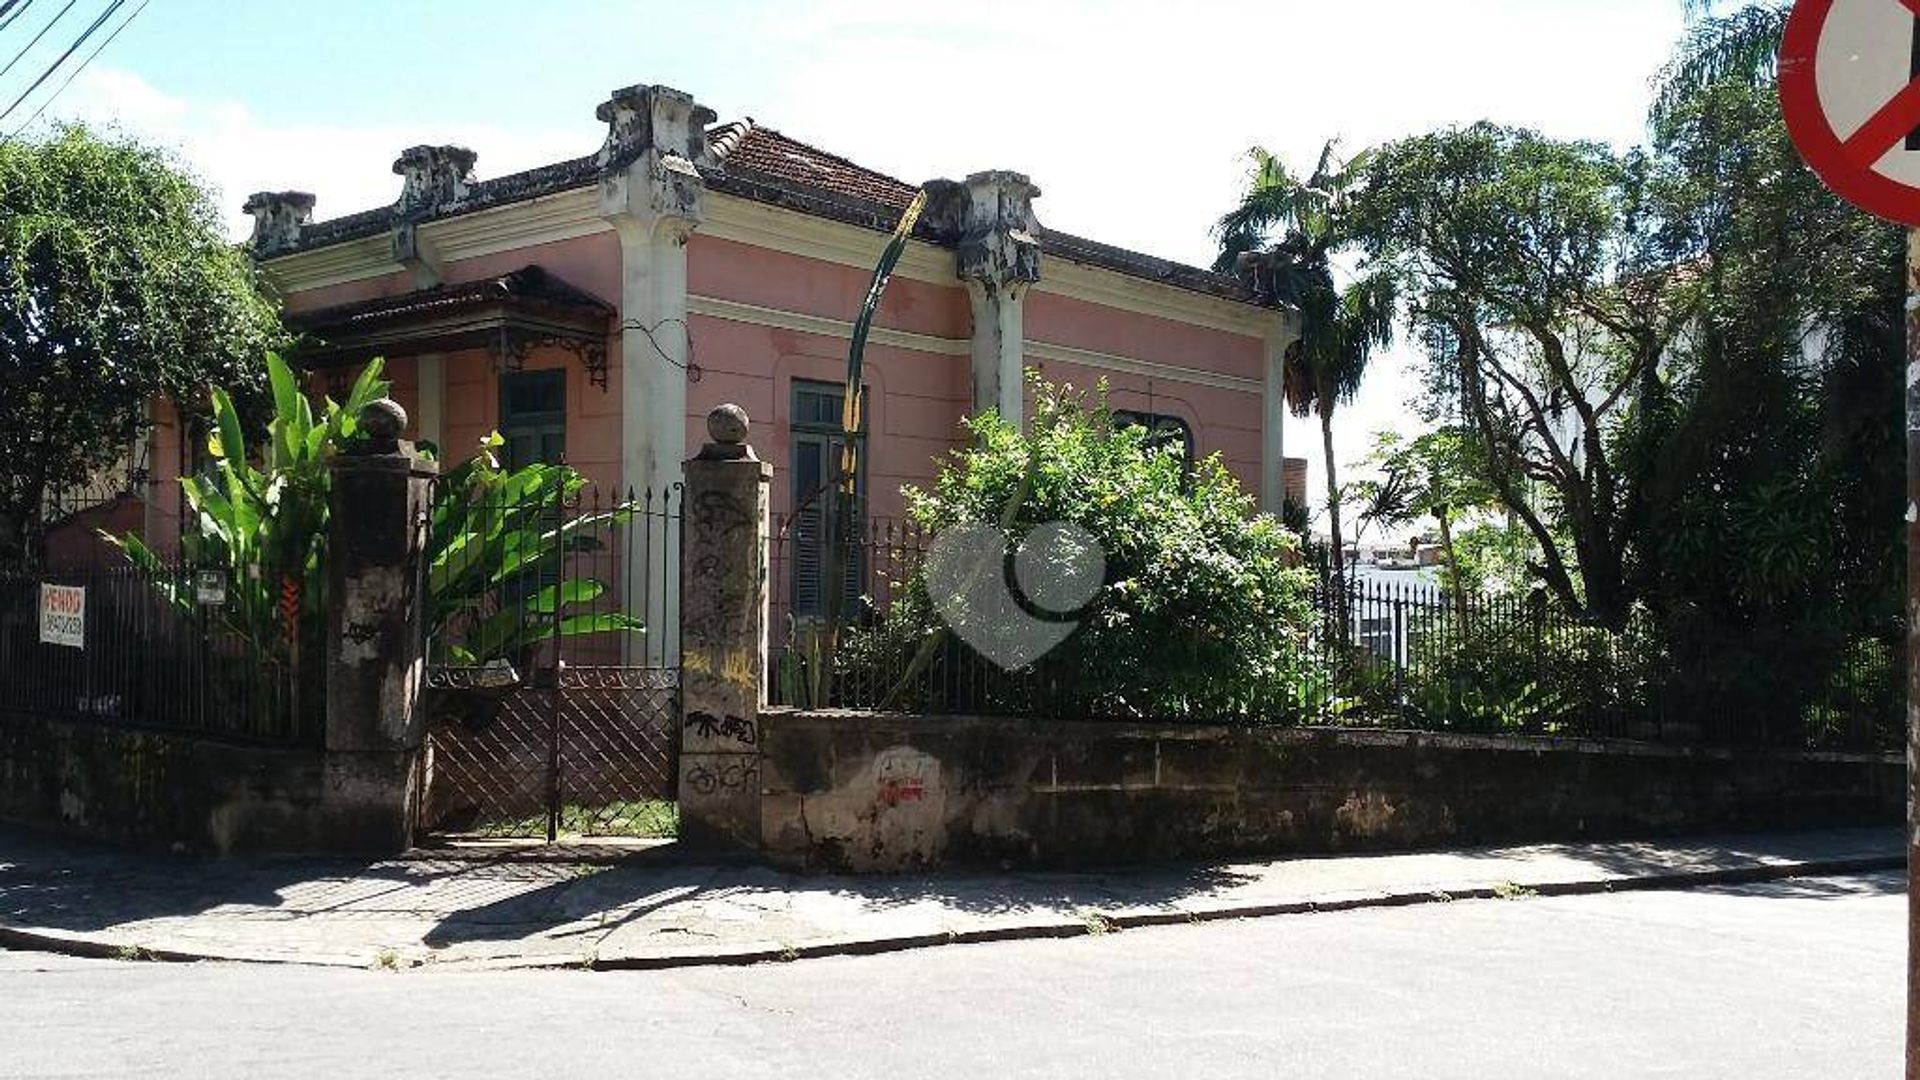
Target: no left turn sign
x,y
1850,89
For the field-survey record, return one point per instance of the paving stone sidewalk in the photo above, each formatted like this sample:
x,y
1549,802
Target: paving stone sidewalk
x,y
606,908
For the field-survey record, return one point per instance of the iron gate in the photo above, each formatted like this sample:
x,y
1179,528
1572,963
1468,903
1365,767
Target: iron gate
x,y
552,690
581,751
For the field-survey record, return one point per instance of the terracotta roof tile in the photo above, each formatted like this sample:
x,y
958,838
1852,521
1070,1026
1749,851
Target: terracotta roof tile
x,y
765,150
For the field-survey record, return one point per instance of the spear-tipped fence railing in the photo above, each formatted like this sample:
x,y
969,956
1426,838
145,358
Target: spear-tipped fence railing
x,y
1413,655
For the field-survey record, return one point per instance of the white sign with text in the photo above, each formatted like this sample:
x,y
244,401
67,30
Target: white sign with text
x,y
63,615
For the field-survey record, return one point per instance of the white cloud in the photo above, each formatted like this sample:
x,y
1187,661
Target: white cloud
x,y
236,153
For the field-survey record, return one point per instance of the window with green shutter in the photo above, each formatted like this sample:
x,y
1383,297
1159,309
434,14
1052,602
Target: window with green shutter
x,y
533,417
817,445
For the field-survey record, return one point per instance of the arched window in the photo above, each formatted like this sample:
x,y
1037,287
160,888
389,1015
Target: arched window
x,y
1162,431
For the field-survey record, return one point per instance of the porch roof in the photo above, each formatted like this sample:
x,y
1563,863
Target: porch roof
x,y
508,315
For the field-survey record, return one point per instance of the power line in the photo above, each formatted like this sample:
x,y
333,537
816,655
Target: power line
x,y
36,38
9,19
71,75
55,66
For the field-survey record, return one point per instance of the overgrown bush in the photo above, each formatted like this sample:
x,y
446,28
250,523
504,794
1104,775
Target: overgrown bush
x,y
1202,610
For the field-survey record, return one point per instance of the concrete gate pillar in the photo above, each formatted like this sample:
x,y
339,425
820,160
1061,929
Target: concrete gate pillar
x,y
723,638
376,537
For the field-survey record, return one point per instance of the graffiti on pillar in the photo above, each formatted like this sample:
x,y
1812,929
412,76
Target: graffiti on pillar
x,y
723,566
734,667
708,779
708,726
718,513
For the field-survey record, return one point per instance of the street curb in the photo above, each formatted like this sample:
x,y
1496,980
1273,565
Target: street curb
x,y
1067,928
1087,922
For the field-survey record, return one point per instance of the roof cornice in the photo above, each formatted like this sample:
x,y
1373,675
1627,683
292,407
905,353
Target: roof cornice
x,y
563,194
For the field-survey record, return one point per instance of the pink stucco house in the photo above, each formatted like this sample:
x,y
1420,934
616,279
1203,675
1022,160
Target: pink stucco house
x,y
599,307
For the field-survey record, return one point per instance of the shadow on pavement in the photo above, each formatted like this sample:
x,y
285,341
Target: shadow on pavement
x,y
572,897
1702,855
623,894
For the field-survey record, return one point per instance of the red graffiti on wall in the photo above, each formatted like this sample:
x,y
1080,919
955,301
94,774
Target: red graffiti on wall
x,y
895,790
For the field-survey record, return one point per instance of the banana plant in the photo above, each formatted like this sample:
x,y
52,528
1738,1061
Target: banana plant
x,y
498,546
263,520
497,539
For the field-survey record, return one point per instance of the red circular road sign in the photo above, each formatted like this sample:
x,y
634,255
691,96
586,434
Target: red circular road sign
x,y
1870,107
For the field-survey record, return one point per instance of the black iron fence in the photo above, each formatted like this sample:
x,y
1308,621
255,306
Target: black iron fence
x,y
821,655
529,577
176,647
1378,652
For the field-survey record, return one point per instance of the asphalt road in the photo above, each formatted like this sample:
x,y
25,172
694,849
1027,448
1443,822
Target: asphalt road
x,y
1796,979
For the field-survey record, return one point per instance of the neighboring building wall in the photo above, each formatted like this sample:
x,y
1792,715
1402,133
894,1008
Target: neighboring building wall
x,y
166,456
75,543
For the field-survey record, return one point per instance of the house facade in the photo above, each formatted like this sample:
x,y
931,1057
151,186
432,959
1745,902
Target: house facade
x,y
597,308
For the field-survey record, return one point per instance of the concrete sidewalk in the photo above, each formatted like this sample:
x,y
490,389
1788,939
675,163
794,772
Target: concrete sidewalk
x,y
606,908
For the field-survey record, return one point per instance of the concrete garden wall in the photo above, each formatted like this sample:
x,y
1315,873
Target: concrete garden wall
x,y
160,789
858,792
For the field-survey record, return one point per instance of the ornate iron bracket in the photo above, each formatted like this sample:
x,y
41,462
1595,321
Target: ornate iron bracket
x,y
511,348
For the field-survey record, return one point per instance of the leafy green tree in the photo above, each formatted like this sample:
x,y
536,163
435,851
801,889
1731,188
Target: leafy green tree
x,y
1541,284
1772,493
1203,609
1340,327
1491,556
117,288
1738,47
1682,367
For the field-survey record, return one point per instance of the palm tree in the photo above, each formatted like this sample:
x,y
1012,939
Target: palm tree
x,y
1743,44
1339,328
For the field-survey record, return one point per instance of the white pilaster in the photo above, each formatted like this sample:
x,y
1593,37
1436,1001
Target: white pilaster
x,y
653,350
1273,413
999,347
432,412
652,195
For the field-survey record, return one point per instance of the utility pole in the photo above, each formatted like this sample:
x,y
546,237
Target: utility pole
x,y
1913,606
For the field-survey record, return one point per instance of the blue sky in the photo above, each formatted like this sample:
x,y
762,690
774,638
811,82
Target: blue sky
x,y
1132,117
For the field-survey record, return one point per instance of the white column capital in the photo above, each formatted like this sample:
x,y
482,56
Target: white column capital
x,y
648,180
432,178
989,219
278,217
996,235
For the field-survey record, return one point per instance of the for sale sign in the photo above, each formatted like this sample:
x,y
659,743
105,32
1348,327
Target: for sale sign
x,y
63,615
1850,88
